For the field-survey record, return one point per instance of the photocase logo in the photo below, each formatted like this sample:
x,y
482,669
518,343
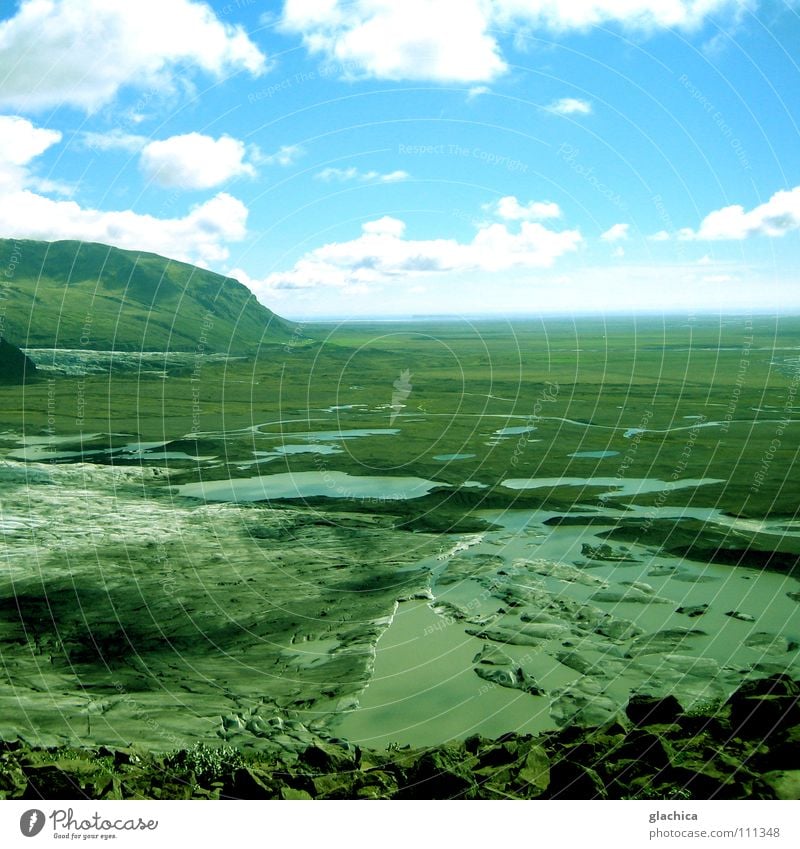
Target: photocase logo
x,y
402,389
31,822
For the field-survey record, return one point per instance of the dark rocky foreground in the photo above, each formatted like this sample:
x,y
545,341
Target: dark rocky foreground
x,y
747,747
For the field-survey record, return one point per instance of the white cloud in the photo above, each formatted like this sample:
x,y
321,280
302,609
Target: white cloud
x,y
386,226
382,254
660,236
346,175
618,252
58,52
510,209
285,155
570,106
200,236
115,139
446,40
453,40
776,217
21,143
617,233
557,15
194,161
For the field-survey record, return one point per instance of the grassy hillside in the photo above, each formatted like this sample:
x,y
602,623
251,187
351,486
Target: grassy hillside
x,y
15,367
81,295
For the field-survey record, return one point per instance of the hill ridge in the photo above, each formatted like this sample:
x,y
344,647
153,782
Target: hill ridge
x,y
72,294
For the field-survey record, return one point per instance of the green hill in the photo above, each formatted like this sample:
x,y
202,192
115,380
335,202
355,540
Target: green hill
x,y
15,367
82,295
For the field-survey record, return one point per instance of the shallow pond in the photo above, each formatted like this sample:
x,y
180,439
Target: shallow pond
x,y
514,596
309,485
619,486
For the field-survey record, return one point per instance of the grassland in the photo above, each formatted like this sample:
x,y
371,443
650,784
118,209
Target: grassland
x,y
134,615
582,384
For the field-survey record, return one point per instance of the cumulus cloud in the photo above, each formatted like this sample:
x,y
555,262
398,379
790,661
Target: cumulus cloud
x,y
382,254
617,233
21,143
570,106
776,217
448,40
61,52
285,155
347,175
200,236
194,161
510,209
384,38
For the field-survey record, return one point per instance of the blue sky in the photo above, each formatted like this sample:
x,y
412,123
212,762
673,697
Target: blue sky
x,y
401,157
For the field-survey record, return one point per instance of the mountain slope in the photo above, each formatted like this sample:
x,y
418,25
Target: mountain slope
x,y
15,367
82,295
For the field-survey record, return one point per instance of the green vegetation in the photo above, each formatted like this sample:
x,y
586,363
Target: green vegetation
x,y
726,755
713,399
244,635
15,367
94,297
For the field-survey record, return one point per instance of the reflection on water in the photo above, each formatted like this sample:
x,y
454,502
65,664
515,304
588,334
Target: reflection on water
x,y
309,485
620,486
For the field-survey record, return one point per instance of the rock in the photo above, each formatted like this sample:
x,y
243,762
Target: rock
x,y
574,661
449,611
291,793
376,784
662,641
524,635
512,677
742,617
537,616
492,655
569,780
639,585
439,774
495,754
762,708
534,776
785,783
630,595
249,783
605,552
560,571
642,746
693,577
12,781
693,610
771,643
662,571
328,758
582,704
794,596
617,629
260,727
338,785
643,710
